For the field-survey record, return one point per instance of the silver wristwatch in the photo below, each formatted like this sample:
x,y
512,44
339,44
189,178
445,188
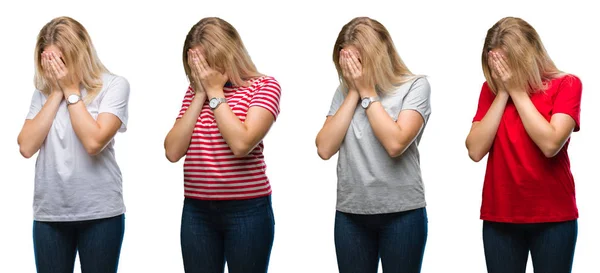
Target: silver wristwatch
x,y
366,101
215,102
72,99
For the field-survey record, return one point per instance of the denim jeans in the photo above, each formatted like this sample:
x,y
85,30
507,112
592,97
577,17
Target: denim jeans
x,y
97,241
239,232
507,246
397,238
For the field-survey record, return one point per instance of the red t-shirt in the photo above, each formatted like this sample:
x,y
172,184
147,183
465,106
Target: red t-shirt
x,y
211,171
522,185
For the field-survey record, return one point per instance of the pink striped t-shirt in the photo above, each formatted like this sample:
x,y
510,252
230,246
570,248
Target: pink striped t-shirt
x,y
211,171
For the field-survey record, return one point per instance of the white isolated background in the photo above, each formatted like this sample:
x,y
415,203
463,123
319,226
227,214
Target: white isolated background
x,y
293,41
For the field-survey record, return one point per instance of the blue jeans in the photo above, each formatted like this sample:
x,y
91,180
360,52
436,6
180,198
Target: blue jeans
x,y
97,241
239,232
398,238
507,246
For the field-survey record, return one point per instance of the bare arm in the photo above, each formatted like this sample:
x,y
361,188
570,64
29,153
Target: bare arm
x,y
35,130
334,130
482,134
178,139
394,136
242,137
94,134
551,136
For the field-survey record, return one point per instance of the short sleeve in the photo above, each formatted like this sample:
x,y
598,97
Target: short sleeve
x,y
418,98
267,96
37,101
187,100
486,98
336,102
568,99
116,101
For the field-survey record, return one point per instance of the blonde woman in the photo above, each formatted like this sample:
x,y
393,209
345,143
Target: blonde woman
x,y
527,111
376,121
76,110
226,112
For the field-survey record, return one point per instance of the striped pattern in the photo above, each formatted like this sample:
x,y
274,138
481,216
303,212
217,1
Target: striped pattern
x,y
211,171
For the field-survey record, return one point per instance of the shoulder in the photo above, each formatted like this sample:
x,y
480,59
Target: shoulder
x,y
109,79
267,84
569,80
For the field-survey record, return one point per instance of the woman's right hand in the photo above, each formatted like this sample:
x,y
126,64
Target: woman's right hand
x,y
48,72
344,58
195,72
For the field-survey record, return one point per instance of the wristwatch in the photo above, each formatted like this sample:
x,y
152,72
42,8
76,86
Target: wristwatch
x,y
73,98
366,101
215,102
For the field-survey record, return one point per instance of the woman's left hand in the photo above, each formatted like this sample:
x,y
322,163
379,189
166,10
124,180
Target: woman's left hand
x,y
61,74
356,74
504,74
211,79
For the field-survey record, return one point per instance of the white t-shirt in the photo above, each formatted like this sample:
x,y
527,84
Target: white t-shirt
x,y
71,185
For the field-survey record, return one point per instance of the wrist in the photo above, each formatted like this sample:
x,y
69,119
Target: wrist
x,y
370,92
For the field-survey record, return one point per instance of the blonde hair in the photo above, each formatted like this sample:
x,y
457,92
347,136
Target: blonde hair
x,y
223,50
78,54
530,64
381,65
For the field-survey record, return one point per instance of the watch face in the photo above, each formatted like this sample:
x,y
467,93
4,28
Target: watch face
x,y
213,103
365,102
73,99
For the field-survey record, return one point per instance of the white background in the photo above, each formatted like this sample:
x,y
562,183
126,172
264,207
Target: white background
x,y
293,41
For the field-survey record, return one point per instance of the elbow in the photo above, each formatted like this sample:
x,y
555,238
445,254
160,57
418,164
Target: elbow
x,y
26,153
324,154
476,157
94,149
396,149
241,150
551,151
172,157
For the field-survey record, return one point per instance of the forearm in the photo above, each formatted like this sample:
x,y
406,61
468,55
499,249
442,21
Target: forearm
x,y
482,135
34,131
233,130
178,139
332,134
391,136
540,130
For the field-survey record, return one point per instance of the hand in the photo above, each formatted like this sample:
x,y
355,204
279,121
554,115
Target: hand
x,y
194,71
345,71
211,80
61,75
48,74
501,73
354,70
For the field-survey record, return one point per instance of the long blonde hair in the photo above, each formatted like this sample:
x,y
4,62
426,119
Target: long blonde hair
x,y
528,60
382,66
223,50
78,53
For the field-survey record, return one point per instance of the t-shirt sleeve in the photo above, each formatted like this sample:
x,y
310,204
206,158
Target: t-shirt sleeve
x,y
568,99
336,102
187,100
486,98
418,98
116,101
267,96
36,104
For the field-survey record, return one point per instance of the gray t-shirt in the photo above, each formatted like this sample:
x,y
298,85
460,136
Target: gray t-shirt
x,y
369,180
71,185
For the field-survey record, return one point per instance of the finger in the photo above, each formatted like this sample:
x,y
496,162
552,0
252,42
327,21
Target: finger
x,y
504,62
353,68
59,62
356,62
203,62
